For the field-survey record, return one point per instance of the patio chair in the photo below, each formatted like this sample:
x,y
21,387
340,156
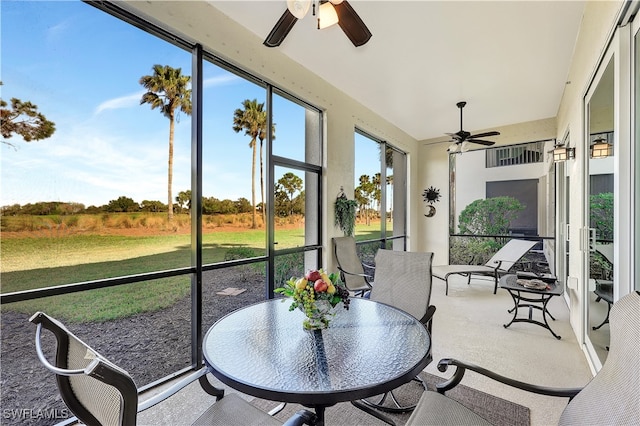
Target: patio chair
x,y
403,280
499,264
99,392
351,268
611,397
604,284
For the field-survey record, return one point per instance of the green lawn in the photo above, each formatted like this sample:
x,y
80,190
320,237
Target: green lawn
x,y
29,263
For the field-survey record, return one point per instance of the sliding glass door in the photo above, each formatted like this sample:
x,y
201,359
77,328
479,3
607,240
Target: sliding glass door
x,y
600,149
635,110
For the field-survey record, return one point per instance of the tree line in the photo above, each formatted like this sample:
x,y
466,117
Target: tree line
x,y
289,200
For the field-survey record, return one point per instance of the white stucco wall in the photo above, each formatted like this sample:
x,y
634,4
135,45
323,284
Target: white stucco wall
x,y
433,232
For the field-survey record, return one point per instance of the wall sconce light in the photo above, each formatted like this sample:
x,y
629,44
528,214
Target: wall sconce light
x,y
601,148
563,153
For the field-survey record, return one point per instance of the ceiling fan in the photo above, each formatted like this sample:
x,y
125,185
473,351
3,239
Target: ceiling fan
x,y
462,138
329,12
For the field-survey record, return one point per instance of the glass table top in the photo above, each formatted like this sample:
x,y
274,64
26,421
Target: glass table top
x,y
264,351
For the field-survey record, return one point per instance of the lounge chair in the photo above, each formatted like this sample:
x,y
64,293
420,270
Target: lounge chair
x,y
499,264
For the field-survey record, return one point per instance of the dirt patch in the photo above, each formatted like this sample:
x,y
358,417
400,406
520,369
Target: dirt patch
x,y
149,346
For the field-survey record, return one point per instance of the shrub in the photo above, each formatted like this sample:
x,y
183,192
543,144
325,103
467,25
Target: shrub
x,y
601,215
491,216
471,250
72,221
236,253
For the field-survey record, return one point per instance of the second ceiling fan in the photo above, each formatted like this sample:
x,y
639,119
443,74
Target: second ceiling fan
x,y
329,12
462,138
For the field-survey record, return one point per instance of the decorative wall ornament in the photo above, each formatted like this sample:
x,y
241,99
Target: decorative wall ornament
x,y
431,195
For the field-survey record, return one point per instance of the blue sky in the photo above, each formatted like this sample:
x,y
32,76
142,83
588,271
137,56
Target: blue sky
x,y
81,67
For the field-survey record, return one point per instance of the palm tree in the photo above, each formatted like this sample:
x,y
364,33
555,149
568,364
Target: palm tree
x,y
253,120
262,135
167,90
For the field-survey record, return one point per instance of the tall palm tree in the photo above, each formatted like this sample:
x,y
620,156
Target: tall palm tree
x,y
167,89
253,120
262,135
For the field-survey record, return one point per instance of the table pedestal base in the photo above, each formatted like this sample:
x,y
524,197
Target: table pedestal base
x,y
518,300
375,413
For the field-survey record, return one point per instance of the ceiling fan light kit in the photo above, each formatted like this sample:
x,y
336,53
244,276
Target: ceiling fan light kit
x,y
298,8
330,12
327,15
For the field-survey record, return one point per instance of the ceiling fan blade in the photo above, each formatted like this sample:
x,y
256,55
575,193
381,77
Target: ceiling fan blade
x,y
454,136
281,29
481,142
485,134
351,24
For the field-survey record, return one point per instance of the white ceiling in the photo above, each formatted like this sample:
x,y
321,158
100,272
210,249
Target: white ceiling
x,y
508,59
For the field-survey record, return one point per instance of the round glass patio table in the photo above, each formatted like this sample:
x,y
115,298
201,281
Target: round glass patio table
x,y
262,350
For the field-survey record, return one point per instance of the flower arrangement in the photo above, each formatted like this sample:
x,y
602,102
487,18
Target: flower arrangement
x,y
316,294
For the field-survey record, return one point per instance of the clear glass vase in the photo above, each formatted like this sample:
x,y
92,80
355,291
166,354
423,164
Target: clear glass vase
x,y
319,317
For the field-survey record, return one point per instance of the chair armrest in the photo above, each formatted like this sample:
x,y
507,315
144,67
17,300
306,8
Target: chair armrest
x,y
302,417
367,265
51,367
499,263
365,276
461,367
179,385
428,316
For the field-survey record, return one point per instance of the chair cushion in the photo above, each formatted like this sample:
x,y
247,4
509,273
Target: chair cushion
x,y
611,397
235,411
435,409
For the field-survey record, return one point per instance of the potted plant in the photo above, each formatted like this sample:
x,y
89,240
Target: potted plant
x,y
345,214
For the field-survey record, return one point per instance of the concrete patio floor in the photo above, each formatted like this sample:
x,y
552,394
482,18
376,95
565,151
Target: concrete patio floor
x,y
468,325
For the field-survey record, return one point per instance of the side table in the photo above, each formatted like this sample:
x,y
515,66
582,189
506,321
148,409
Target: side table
x,y
524,297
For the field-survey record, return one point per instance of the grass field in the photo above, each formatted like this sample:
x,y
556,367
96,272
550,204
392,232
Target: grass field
x,y
47,259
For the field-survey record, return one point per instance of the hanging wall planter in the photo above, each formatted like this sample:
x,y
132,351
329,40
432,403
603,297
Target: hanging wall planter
x,y
345,212
431,195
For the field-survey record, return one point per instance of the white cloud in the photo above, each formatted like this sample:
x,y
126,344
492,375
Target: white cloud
x,y
127,101
220,80
132,100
